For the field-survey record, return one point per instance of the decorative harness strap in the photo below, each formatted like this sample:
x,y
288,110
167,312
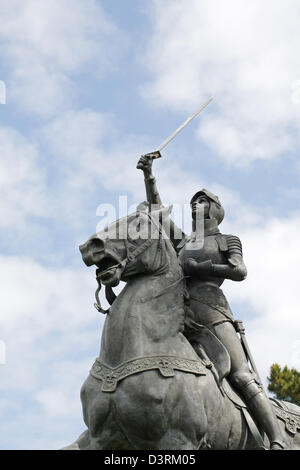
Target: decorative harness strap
x,y
110,376
291,419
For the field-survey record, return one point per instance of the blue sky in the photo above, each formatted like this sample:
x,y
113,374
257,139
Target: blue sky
x,y
90,86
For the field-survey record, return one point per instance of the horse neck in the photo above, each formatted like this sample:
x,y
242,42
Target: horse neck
x,y
147,316
157,285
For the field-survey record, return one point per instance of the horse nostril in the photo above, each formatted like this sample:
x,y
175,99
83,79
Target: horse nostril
x,y
91,246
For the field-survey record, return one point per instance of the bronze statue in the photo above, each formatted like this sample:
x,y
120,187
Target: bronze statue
x,y
218,259
151,388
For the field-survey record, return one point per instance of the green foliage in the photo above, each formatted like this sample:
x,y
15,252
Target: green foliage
x,y
285,383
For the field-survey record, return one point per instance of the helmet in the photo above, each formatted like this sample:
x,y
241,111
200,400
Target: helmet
x,y
216,210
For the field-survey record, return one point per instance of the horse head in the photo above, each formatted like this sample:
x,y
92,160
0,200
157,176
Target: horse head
x,y
128,246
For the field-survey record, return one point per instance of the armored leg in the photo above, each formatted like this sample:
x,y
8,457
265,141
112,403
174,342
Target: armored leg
x,y
246,383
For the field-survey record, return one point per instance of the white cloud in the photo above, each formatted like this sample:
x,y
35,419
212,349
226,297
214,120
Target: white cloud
x,y
51,175
46,43
92,152
43,310
21,180
245,53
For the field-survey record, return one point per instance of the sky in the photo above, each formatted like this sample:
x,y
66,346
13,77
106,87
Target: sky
x,y
86,87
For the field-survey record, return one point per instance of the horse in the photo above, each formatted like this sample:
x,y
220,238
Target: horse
x,y
148,389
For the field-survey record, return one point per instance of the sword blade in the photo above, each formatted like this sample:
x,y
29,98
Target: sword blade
x,y
171,137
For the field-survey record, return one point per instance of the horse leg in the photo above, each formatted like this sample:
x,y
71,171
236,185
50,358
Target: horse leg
x,y
187,412
99,413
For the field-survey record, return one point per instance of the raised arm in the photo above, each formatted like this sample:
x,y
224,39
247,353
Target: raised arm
x,y
145,164
177,237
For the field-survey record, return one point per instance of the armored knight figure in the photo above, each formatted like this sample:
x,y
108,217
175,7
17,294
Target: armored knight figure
x,y
218,258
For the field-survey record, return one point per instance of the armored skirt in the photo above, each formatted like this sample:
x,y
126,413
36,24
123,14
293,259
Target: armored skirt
x,y
208,305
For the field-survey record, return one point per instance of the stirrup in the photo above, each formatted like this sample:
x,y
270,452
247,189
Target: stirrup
x,y
277,445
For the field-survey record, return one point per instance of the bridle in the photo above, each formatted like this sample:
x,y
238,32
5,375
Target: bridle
x,y
130,258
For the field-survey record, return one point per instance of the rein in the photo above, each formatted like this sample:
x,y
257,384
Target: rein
x,y
108,293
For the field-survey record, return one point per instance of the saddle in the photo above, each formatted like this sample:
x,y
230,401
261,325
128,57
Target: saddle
x,y
209,348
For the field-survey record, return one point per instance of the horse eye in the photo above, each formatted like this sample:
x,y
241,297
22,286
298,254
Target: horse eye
x,y
97,243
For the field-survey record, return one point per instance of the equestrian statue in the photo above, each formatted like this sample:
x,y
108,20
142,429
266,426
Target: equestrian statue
x,y
174,370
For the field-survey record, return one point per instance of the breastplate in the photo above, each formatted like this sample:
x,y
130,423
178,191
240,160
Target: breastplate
x,y
203,251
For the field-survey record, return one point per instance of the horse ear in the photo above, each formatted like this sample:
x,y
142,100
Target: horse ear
x,y
143,207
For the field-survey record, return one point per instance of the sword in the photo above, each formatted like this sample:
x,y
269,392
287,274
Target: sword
x,y
156,153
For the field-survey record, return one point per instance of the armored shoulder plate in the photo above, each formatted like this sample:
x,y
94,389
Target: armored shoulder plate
x,y
234,245
235,251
